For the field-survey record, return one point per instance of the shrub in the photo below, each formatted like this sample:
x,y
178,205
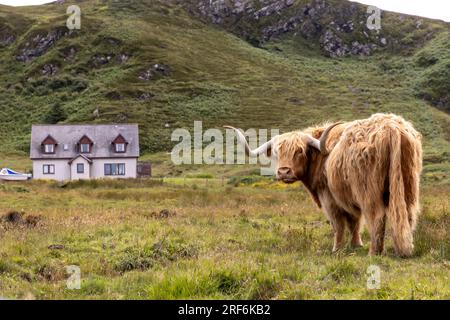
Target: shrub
x,y
55,114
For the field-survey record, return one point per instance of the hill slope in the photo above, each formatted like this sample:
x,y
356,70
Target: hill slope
x,y
172,62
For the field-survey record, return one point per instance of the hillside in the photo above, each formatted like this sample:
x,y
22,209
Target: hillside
x,y
262,64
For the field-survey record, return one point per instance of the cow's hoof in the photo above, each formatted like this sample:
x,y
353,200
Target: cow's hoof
x,y
358,244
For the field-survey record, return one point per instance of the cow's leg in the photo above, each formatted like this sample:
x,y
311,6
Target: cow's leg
x,y
354,225
337,219
376,222
339,231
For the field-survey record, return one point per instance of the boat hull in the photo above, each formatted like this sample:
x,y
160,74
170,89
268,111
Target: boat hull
x,y
13,178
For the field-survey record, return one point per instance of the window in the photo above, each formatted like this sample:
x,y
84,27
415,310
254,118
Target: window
x,y
49,148
66,147
48,169
84,148
114,169
120,147
120,144
80,167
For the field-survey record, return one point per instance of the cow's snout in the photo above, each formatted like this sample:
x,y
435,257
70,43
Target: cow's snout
x,y
286,174
284,171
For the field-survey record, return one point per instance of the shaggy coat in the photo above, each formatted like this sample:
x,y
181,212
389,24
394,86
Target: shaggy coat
x,y
371,169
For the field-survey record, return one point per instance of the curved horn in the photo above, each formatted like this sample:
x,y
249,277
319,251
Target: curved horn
x,y
241,138
320,144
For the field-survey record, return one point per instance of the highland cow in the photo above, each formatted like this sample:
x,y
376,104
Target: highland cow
x,y
366,168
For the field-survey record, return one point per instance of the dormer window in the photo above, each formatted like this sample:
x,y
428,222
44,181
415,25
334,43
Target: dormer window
x,y
120,147
85,148
85,145
49,148
48,145
120,144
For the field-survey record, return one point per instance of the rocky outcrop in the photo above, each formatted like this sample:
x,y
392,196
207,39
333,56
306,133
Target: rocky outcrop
x,y
340,31
39,43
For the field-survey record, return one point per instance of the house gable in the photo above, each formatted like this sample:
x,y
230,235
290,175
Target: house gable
x,y
80,156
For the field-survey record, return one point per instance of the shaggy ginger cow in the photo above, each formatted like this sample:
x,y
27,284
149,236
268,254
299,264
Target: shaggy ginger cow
x,y
365,168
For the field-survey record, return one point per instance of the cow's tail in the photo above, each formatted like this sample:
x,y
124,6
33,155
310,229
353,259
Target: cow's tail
x,y
397,208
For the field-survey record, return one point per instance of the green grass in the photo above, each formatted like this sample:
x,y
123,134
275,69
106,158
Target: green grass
x,y
255,241
216,77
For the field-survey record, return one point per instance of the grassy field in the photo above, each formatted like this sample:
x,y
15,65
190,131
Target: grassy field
x,y
208,231
202,238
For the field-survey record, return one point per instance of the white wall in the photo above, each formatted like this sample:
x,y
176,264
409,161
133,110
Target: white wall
x,y
98,168
73,169
62,170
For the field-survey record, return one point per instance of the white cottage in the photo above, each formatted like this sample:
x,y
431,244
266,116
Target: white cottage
x,y
71,152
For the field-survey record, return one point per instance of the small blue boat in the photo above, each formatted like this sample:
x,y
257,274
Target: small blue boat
x,y
11,175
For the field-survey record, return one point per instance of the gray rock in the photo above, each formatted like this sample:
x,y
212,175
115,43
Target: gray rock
x,y
101,59
332,45
69,53
156,71
360,49
123,58
40,43
49,69
145,96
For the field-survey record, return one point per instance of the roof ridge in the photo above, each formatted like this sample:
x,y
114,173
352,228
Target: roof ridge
x,y
84,124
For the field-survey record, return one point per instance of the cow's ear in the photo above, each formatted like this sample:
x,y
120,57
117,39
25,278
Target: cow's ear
x,y
269,152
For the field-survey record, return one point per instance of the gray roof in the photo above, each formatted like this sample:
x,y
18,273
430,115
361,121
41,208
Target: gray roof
x,y
101,134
